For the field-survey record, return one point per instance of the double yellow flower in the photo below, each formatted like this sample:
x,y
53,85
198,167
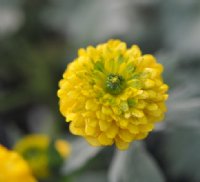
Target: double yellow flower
x,y
112,94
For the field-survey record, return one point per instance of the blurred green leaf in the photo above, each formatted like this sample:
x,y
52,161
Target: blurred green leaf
x,y
55,160
81,153
135,164
183,113
86,22
180,22
41,120
180,151
92,176
10,2
182,74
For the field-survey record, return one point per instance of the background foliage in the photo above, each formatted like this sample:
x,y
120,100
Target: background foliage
x,y
38,39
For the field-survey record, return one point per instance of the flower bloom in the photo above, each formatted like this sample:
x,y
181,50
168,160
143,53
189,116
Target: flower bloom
x,y
112,94
41,153
13,168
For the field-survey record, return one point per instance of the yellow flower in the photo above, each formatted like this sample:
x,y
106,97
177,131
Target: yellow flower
x,y
37,150
63,148
13,168
112,94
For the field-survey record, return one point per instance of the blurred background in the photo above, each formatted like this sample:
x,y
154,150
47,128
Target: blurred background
x,y
38,38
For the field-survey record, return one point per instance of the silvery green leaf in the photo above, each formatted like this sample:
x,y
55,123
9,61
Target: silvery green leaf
x,y
12,3
11,20
41,120
93,21
180,22
180,153
81,153
93,176
183,113
170,62
182,74
135,164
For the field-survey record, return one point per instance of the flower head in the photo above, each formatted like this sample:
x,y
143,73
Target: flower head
x,y
42,154
112,94
13,168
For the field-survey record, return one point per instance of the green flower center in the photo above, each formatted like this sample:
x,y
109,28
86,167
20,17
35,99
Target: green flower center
x,y
114,84
32,153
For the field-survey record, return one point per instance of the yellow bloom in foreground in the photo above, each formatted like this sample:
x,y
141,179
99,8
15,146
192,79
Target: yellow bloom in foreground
x,y
13,168
112,94
37,151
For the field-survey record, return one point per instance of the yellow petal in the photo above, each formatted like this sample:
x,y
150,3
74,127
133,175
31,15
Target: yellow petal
x,y
75,130
123,123
149,83
163,88
141,104
121,145
146,127
104,125
90,130
112,131
104,140
133,129
91,105
137,113
152,107
125,135
92,122
141,136
106,110
93,141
